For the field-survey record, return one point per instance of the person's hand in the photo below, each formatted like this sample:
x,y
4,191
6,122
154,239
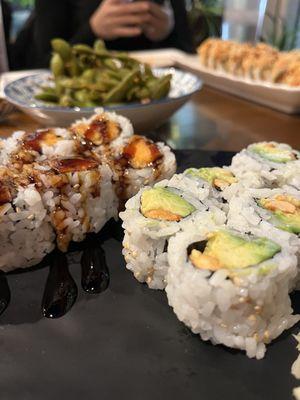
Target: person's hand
x,y
160,21
116,18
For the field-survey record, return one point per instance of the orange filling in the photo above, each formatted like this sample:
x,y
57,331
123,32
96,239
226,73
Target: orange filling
x,y
203,261
141,153
162,214
100,131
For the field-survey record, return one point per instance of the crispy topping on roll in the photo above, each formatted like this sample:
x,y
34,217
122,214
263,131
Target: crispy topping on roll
x,y
99,131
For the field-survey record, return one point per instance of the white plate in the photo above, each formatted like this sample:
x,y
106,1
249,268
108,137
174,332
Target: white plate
x,y
280,97
144,117
157,58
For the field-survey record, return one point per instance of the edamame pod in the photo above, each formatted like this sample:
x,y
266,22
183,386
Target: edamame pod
x,y
57,65
117,94
47,96
99,45
161,87
82,48
61,47
66,101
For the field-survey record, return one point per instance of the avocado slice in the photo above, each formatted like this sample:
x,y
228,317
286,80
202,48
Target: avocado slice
x,y
285,211
271,152
230,251
163,204
218,177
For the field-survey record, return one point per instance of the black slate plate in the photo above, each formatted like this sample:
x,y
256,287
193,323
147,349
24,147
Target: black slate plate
x,y
126,343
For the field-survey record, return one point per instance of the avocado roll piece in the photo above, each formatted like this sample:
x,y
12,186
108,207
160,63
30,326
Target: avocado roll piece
x,y
268,164
284,210
275,211
221,182
231,288
151,218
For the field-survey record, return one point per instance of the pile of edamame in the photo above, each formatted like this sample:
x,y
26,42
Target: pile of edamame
x,y
85,76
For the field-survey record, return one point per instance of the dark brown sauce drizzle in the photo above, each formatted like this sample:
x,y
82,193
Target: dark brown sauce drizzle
x,y
67,165
34,140
5,194
4,293
94,271
61,291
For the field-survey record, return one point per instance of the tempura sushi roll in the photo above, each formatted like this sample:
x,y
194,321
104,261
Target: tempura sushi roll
x,y
78,195
103,132
26,234
205,50
135,160
230,288
259,62
141,162
237,54
267,164
150,219
24,148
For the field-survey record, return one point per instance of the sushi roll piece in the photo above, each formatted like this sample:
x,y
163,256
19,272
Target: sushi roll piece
x,y
135,160
27,147
220,183
140,162
78,195
256,208
282,67
273,212
103,132
236,56
230,288
258,63
219,55
204,51
150,219
267,164
26,234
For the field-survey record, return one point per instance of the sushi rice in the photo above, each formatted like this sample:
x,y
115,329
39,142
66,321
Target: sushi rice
x,y
70,175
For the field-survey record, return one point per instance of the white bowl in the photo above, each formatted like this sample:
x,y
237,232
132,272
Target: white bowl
x,y
144,117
